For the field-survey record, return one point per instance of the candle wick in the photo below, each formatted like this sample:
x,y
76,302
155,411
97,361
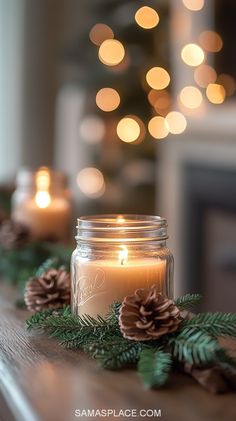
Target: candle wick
x,y
122,261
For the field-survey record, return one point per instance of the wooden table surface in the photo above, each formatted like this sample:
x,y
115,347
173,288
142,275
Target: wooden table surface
x,y
41,381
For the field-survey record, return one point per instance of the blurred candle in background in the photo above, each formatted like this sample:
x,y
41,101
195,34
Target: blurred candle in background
x,y
41,201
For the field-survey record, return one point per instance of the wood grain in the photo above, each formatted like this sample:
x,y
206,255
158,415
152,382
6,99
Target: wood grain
x,y
41,381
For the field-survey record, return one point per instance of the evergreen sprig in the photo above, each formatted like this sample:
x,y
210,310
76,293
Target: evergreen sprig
x,y
194,347
73,331
38,319
113,315
50,263
194,342
116,352
154,367
215,324
18,265
188,301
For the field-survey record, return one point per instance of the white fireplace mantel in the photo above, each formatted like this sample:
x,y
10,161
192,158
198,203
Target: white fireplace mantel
x,y
211,141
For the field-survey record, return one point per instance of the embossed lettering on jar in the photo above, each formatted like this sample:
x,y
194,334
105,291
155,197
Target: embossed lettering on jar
x,y
115,255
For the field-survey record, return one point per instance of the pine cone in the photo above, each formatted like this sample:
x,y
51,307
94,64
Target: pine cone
x,y
148,315
13,234
51,290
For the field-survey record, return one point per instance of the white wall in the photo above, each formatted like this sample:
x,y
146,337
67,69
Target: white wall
x,y
11,87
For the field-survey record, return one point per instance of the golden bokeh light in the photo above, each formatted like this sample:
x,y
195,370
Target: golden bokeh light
x,y
215,93
204,74
107,99
111,52
152,96
175,122
190,97
163,103
157,127
192,55
92,129
210,41
228,82
193,5
91,182
123,65
128,129
158,78
99,33
160,100
147,17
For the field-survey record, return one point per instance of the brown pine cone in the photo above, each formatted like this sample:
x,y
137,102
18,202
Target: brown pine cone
x,y
51,290
13,234
148,315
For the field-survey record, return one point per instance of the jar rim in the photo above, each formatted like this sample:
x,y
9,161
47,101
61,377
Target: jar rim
x,y
121,227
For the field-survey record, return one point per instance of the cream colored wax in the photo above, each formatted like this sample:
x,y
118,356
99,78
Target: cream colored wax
x,y
51,222
99,284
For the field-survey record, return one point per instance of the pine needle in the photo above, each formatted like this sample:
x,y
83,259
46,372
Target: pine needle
x,y
188,301
154,366
215,324
116,352
194,347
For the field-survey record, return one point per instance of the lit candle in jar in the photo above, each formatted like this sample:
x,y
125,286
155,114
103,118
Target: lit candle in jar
x,y
44,208
111,271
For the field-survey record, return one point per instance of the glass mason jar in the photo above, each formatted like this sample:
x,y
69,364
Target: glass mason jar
x,y
115,255
41,201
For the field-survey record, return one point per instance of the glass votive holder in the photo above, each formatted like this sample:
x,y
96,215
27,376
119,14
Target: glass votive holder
x,y
41,201
115,255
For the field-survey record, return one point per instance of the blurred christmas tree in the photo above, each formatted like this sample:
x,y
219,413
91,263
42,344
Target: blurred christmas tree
x,y
121,43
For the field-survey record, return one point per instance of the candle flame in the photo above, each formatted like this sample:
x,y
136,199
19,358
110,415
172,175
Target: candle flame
x,y
123,255
120,219
42,181
42,199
